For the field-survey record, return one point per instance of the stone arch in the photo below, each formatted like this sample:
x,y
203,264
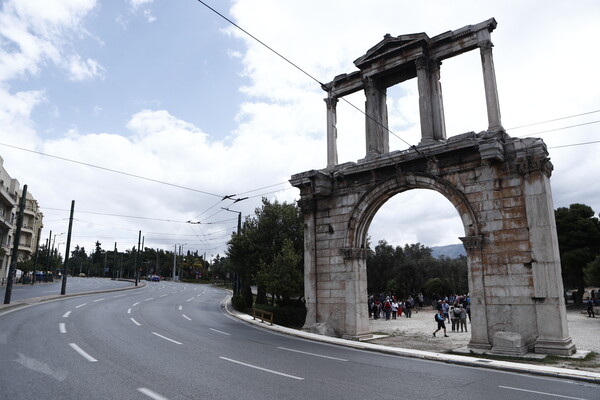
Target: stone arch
x,y
371,201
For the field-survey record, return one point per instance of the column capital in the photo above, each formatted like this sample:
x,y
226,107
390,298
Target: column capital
x,y
485,46
422,62
331,101
472,242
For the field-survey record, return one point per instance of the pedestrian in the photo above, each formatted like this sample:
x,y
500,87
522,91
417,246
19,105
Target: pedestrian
x,y
408,309
446,308
454,317
590,308
439,318
462,319
394,308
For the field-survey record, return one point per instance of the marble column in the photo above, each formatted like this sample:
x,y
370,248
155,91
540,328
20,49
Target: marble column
x,y
489,83
377,134
424,85
332,156
437,103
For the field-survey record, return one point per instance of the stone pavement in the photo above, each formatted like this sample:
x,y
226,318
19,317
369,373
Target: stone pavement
x,y
412,337
416,332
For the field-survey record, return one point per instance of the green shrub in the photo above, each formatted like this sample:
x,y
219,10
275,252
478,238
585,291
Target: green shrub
x,y
238,303
292,317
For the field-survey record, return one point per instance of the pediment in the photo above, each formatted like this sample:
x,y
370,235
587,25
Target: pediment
x,y
389,45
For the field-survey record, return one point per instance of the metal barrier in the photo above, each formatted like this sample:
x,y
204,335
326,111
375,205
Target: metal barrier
x,y
265,316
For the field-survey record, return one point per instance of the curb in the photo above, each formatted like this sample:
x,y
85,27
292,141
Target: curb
x,y
509,366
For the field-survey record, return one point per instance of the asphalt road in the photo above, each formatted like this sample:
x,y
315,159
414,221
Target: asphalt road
x,y
173,341
74,285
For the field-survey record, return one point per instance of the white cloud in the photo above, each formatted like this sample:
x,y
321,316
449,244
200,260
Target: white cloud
x,y
80,70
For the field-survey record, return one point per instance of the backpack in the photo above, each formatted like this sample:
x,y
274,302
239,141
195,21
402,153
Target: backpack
x,y
457,312
435,317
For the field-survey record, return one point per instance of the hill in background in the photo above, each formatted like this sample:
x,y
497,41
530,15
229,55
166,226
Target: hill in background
x,y
449,251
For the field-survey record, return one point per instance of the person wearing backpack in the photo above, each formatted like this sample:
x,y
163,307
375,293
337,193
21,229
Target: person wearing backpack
x,y
439,318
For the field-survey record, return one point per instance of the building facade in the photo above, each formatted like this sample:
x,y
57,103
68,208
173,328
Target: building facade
x,y
10,196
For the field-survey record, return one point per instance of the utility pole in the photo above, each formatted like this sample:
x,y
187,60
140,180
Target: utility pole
x,y
174,261
48,254
114,263
64,270
37,250
237,282
15,251
135,268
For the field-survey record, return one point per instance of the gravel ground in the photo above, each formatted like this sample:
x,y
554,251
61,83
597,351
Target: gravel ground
x,y
416,333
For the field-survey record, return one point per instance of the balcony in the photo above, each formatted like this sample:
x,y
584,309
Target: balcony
x,y
7,198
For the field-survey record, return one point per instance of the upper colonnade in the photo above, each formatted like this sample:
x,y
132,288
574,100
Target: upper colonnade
x,y
397,59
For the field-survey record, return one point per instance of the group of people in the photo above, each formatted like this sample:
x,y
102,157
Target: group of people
x,y
456,312
390,307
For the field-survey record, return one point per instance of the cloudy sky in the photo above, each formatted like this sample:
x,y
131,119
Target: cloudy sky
x,y
148,112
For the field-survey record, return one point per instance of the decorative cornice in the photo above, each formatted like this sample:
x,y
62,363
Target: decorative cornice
x,y
534,163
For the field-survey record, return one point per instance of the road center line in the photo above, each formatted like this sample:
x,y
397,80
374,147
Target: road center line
x,y
536,392
190,299
135,304
262,369
312,354
82,353
224,333
135,322
180,308
129,311
66,315
95,301
186,317
121,295
151,394
164,295
151,298
166,338
81,305
62,327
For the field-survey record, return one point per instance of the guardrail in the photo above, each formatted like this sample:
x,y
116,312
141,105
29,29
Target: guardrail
x,y
265,316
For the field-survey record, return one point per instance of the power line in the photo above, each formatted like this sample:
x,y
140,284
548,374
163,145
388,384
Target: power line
x,y
112,170
574,144
553,120
559,129
309,75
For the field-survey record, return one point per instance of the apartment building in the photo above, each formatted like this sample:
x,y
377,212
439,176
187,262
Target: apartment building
x,y
10,196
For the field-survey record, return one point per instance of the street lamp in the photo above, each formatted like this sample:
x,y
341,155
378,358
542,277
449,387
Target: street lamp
x,y
175,257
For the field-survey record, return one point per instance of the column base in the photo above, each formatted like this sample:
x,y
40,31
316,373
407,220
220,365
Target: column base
x,y
479,345
559,347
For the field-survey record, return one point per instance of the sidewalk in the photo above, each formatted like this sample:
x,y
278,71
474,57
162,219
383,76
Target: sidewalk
x,y
412,337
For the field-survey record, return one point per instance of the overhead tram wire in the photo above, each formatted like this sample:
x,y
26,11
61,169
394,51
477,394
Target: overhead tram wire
x,y
309,75
112,170
553,120
559,129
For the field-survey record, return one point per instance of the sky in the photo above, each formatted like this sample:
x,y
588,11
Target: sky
x,y
148,113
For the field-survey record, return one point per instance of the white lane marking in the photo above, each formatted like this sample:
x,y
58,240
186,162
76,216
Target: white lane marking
x,y
135,322
62,327
312,354
180,308
121,295
536,392
66,315
224,333
151,298
190,299
166,338
164,295
82,353
135,304
95,301
186,317
81,305
151,394
262,369
129,311
198,295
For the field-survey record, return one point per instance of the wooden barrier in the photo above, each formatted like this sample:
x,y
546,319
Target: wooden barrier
x,y
263,315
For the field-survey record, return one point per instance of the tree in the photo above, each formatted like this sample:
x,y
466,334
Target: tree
x,y
592,272
261,239
578,233
283,278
